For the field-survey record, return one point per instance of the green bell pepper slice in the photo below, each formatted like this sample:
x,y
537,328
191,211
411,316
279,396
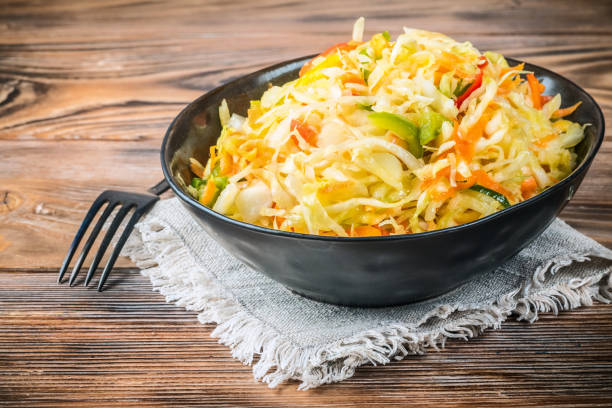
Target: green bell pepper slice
x,y
402,127
196,182
431,124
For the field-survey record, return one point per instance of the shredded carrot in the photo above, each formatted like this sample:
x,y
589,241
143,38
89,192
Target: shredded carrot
x,y
462,184
236,167
484,180
536,90
445,172
248,150
436,194
543,142
254,113
529,187
463,148
352,77
517,68
213,156
453,58
444,195
437,77
560,113
502,91
196,167
209,192
509,85
285,228
226,164
367,231
299,229
475,133
307,133
451,62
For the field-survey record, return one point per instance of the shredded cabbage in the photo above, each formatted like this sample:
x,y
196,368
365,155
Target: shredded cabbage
x,y
307,159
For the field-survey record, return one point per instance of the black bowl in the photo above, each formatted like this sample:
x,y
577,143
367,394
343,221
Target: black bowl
x,y
368,271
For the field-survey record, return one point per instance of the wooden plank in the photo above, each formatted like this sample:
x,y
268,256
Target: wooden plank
x,y
86,92
125,347
47,210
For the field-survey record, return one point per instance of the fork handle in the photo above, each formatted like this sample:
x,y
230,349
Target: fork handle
x,y
159,188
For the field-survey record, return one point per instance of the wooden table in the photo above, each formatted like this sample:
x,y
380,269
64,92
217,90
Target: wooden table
x,y
86,92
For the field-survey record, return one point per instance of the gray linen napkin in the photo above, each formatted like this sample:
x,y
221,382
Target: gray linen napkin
x,y
317,343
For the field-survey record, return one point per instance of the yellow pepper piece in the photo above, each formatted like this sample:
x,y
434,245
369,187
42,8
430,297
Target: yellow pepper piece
x,y
315,73
378,44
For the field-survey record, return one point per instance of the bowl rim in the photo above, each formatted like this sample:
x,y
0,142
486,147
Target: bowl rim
x,y
414,236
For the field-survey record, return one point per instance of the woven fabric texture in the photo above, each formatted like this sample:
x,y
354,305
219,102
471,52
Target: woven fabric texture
x,y
294,338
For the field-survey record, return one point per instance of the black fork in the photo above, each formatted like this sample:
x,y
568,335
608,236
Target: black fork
x,y
141,203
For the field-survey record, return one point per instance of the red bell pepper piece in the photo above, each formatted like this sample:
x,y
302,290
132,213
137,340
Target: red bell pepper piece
x,y
475,85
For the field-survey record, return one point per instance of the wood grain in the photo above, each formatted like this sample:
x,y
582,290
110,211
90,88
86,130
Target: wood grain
x,y
87,90
71,347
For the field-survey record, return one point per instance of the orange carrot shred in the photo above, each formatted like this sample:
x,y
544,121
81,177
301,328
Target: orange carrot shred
x,y
485,180
196,167
529,187
560,113
536,90
226,164
544,141
213,155
352,77
307,133
209,192
367,231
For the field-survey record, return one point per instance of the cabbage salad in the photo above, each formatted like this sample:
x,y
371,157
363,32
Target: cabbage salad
x,y
386,137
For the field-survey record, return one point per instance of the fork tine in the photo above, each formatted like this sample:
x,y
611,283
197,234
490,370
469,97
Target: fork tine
x,y
93,210
107,239
117,250
92,237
